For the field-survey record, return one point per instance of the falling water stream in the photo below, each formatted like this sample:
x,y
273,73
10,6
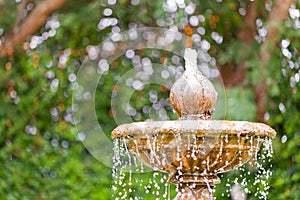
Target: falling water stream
x,y
126,168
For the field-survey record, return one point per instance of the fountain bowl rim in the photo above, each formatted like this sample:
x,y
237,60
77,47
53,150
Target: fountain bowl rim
x,y
199,127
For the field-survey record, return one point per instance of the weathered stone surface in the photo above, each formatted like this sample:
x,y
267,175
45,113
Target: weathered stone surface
x,y
193,96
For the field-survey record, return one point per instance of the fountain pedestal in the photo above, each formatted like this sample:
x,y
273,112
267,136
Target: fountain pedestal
x,y
193,192
195,187
194,148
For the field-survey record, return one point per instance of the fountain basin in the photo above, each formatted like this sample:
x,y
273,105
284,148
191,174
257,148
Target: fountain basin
x,y
193,152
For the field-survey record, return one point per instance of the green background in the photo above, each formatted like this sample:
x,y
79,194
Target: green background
x,y
42,156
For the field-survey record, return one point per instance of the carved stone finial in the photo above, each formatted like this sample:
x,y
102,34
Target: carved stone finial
x,y
193,96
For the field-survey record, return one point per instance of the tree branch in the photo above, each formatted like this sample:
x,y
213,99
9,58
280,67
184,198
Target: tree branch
x,y
34,22
276,17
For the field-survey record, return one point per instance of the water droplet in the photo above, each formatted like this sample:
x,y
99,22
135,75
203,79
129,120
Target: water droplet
x,y
103,66
30,129
54,142
242,11
129,53
81,136
138,85
201,30
287,53
259,23
93,52
194,21
107,12
294,13
205,45
72,77
285,43
218,38
281,107
65,144
111,2
52,174
190,9
283,139
165,74
170,6
262,32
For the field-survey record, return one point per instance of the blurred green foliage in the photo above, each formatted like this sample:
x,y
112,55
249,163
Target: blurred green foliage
x,y
41,154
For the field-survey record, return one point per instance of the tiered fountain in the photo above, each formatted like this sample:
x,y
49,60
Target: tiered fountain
x,y
194,148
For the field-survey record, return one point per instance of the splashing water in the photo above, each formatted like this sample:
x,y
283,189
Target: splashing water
x,y
252,180
127,176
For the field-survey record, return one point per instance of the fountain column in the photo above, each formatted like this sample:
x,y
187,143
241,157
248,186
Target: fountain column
x,y
195,187
193,97
193,192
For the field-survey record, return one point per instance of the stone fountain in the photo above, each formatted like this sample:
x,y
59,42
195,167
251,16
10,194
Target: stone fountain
x,y
194,148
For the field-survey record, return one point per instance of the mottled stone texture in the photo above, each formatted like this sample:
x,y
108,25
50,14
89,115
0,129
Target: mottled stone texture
x,y
193,96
